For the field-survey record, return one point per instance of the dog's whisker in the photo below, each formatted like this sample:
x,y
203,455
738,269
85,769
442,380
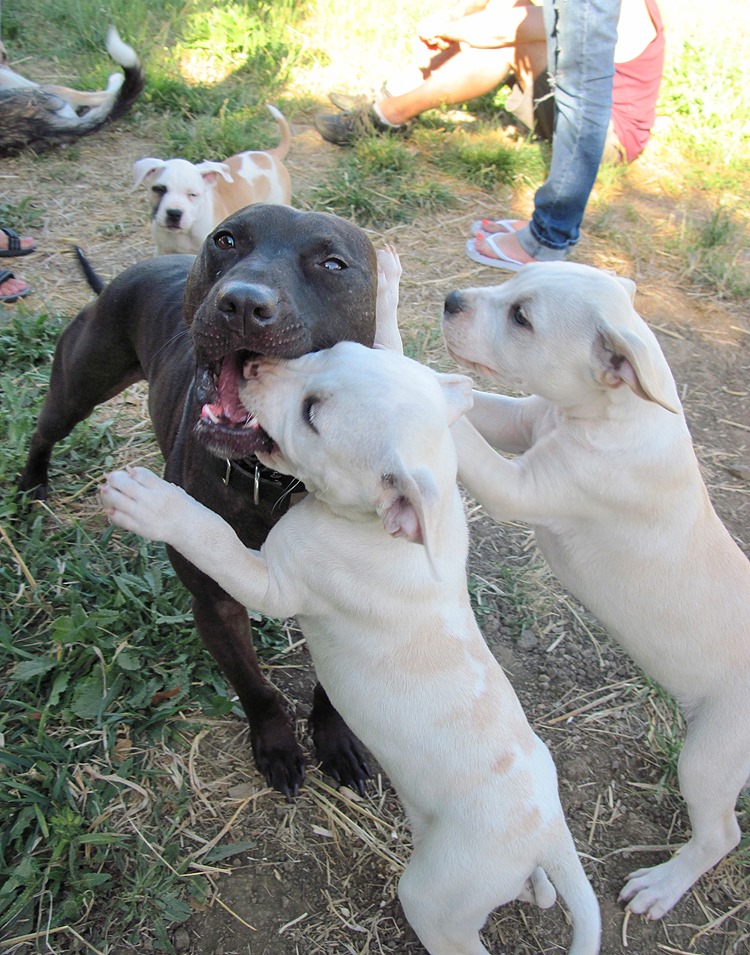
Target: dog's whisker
x,y
288,492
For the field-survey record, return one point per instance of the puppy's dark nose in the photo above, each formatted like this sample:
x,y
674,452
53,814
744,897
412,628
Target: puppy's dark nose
x,y
255,304
173,216
454,303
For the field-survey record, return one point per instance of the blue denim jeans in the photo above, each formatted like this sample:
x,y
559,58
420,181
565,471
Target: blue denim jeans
x,y
581,37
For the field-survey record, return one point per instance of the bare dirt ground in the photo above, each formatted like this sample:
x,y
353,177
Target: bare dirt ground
x,y
320,876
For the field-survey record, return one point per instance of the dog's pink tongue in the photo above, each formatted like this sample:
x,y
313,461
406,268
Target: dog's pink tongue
x,y
228,409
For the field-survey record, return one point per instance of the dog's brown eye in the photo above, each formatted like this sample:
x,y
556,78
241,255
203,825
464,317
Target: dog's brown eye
x,y
518,316
334,265
224,241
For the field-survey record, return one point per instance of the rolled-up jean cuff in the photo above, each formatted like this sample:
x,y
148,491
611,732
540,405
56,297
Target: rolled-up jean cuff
x,y
542,253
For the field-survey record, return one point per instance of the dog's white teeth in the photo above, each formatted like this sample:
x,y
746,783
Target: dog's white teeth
x,y
208,412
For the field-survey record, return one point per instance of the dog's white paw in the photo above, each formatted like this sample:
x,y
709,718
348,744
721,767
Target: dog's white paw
x,y
654,891
139,501
387,334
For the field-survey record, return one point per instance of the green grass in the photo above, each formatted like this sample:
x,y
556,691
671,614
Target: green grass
x,y
97,644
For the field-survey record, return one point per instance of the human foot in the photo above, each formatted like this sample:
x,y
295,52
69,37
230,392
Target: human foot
x,y
500,250
11,288
12,244
491,226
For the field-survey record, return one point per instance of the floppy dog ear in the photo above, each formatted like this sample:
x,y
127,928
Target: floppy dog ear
x,y
212,170
625,358
458,393
404,502
145,169
629,286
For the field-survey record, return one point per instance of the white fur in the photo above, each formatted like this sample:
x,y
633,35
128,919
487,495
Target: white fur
x,y
71,98
189,200
606,473
389,625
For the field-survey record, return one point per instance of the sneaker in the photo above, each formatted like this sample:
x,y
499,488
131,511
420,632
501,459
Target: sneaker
x,y
348,102
342,129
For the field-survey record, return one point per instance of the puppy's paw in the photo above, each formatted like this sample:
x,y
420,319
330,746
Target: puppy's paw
x,y
139,501
653,891
386,312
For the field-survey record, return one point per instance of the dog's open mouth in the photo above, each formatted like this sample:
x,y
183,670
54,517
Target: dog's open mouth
x,y
226,427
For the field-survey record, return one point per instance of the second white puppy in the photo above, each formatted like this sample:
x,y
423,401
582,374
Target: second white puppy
x,y
607,475
372,563
188,201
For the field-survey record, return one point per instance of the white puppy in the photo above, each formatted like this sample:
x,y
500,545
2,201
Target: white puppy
x,y
188,201
372,563
607,475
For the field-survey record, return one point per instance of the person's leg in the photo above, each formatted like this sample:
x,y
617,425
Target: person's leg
x,y
467,74
580,46
449,76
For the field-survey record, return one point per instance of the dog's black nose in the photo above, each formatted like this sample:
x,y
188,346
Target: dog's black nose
x,y
454,303
257,304
173,216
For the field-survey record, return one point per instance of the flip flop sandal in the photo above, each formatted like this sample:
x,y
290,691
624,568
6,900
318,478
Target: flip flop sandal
x,y
505,226
6,274
14,245
502,261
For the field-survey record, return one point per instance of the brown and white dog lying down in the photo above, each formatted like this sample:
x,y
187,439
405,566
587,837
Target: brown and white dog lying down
x,y
605,472
373,565
39,117
189,200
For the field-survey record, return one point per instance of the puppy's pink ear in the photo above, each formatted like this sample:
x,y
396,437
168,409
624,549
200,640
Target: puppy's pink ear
x,y
146,169
624,358
212,170
405,503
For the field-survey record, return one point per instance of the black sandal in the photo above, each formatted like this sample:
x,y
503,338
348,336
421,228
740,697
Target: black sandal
x,y
6,274
14,245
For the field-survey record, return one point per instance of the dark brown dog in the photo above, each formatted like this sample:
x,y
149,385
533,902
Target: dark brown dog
x,y
269,280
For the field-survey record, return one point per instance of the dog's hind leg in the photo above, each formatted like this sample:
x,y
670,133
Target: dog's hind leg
x,y
340,753
713,768
447,898
85,372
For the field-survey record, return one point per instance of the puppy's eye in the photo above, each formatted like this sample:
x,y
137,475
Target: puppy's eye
x,y
309,406
159,190
224,241
334,264
518,316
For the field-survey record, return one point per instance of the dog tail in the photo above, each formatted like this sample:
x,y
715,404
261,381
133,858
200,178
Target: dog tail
x,y
563,866
95,281
279,152
124,89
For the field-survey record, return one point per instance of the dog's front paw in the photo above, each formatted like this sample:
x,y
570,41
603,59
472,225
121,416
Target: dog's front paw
x,y
654,891
387,334
139,501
